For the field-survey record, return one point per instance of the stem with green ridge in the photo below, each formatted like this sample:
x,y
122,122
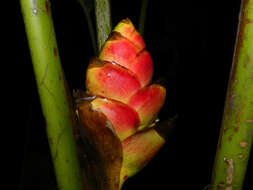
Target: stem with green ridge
x,y
103,21
236,135
54,93
143,15
90,26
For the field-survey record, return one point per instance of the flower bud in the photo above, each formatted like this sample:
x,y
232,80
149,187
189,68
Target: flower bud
x,y
117,118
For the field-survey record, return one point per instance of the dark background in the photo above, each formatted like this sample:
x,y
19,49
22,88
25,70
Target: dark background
x,y
191,44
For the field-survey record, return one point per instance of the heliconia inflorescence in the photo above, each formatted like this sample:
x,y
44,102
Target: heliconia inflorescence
x,y
119,80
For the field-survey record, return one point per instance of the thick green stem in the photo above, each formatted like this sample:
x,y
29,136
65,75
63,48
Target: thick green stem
x,y
143,15
236,135
103,21
54,95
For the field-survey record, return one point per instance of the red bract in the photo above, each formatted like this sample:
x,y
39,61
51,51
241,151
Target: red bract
x,y
119,78
148,102
142,66
138,149
124,119
119,49
111,81
127,29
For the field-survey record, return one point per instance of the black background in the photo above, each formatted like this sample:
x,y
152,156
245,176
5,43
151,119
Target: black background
x,y
191,43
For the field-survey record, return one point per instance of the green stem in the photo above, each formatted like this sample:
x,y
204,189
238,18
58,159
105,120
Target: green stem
x,y
103,21
54,94
143,14
90,26
236,135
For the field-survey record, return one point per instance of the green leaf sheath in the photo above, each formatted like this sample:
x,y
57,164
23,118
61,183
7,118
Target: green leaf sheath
x,y
53,91
236,134
103,21
86,11
143,16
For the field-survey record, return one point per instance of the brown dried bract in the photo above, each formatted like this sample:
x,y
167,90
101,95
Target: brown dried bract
x,y
101,155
